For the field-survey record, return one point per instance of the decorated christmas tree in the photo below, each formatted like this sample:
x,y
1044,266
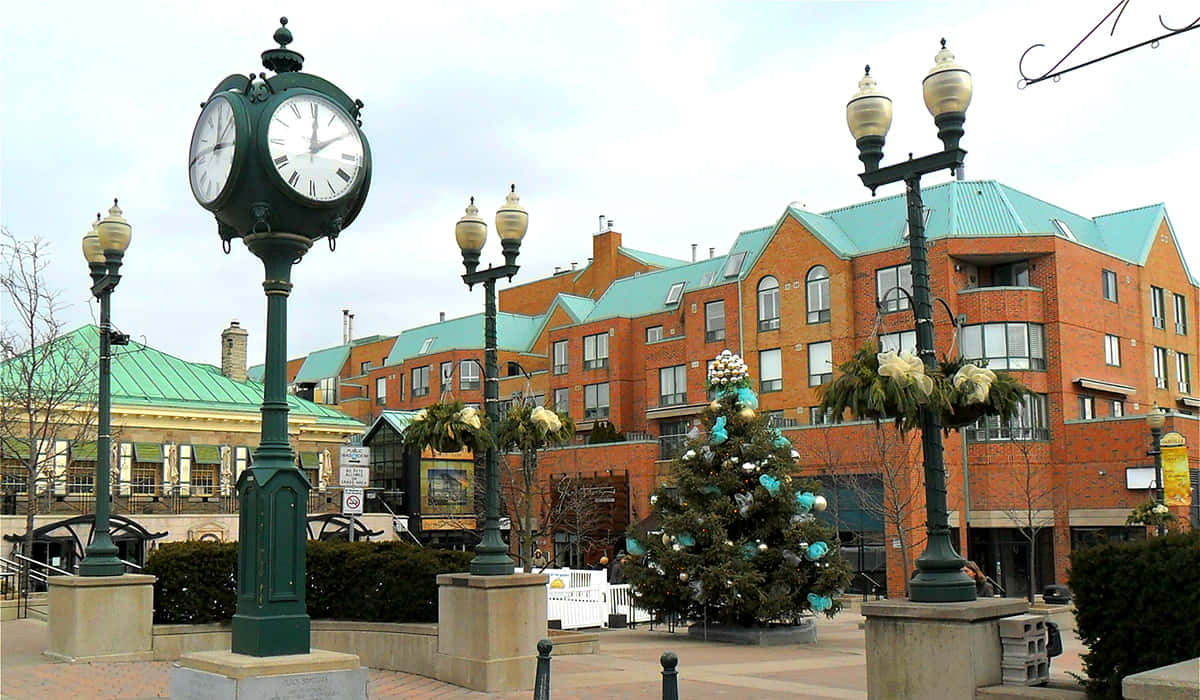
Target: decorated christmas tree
x,y
737,542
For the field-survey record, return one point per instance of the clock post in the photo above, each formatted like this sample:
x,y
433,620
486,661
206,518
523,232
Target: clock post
x,y
280,161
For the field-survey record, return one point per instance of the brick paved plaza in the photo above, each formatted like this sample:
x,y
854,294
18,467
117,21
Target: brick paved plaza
x,y
625,667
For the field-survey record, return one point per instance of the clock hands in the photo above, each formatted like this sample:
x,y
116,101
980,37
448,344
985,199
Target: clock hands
x,y
216,147
320,145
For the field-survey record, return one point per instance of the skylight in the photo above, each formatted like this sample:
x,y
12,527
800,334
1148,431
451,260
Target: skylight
x,y
734,266
1063,229
674,293
425,346
924,222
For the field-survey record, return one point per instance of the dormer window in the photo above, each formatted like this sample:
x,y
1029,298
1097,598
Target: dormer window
x,y
1063,229
425,346
734,267
674,293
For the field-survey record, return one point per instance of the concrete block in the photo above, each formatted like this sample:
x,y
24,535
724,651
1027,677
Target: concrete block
x,y
101,618
1028,672
1023,647
1023,626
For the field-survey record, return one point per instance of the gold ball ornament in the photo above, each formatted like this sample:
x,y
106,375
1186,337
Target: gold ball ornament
x,y
715,405
666,539
683,576
746,414
819,503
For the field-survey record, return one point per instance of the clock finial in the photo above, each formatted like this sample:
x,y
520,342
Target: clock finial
x,y
282,59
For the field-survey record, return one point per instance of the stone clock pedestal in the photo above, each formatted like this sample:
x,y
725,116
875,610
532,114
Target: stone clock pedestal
x,y
224,675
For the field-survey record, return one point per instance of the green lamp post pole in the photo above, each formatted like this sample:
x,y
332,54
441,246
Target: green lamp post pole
x,y
1155,420
104,248
947,92
491,556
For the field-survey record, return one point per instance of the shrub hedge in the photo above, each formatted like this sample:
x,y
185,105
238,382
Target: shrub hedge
x,y
373,581
1137,607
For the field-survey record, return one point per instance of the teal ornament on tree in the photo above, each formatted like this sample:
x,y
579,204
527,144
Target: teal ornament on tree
x,y
819,603
747,397
718,434
634,547
816,550
686,539
710,490
749,551
770,483
804,501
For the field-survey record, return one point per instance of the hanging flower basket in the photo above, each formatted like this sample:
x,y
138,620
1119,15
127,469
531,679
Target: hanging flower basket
x,y
876,385
529,427
448,427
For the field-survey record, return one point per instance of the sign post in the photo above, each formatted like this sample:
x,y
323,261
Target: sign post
x,y
354,476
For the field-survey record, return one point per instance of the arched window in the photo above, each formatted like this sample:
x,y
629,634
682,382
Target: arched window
x,y
817,291
768,304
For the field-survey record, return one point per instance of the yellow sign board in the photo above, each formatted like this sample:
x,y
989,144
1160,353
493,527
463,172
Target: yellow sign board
x,y
448,523
1177,487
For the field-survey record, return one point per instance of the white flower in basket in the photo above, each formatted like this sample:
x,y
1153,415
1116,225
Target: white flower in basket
x,y
905,366
981,379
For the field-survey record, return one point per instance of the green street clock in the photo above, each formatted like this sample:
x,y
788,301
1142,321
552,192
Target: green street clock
x,y
284,153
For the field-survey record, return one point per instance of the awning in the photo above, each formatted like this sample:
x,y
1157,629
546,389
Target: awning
x,y
674,411
84,452
1190,401
147,452
1107,387
310,460
206,454
14,449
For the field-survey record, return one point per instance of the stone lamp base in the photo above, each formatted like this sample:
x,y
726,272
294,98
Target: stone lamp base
x,y
101,618
224,675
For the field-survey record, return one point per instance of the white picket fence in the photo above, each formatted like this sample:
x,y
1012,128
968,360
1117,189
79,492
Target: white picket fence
x,y
587,599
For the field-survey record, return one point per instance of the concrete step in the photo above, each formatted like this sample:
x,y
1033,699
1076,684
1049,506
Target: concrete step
x,y
1054,690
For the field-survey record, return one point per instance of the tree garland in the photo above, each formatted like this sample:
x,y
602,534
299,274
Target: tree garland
x,y
449,427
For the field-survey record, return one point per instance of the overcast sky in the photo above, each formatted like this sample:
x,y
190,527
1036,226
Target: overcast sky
x,y
685,123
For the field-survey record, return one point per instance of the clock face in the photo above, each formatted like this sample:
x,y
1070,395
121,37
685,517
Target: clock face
x,y
214,143
314,147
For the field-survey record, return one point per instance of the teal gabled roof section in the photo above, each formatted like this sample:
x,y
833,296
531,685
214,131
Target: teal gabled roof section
x,y
972,208
322,364
144,376
514,332
256,373
397,420
576,307
651,258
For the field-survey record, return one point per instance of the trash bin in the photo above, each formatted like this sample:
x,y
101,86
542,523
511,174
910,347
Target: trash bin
x,y
1056,594
1053,640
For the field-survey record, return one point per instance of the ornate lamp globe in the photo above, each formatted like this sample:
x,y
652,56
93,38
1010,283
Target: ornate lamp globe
x,y
114,232
869,116
471,234
1155,419
511,222
92,252
947,91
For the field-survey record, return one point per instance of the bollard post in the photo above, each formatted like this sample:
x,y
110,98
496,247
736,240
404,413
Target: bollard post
x,y
541,685
670,687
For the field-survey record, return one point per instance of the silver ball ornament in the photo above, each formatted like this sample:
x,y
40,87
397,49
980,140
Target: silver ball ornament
x,y
819,503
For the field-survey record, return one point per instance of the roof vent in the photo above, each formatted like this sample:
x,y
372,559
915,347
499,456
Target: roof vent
x,y
556,269
694,247
441,316
573,265
711,253
610,224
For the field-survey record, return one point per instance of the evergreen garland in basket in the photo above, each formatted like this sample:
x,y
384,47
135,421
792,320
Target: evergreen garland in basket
x,y
960,391
449,427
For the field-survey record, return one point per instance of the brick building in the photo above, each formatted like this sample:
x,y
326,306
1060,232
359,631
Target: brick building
x,y
1095,315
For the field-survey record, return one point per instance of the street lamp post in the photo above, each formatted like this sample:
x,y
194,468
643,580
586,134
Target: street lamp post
x,y
1155,420
491,555
104,248
947,92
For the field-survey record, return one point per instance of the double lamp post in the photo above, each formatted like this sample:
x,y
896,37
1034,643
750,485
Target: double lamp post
x,y
947,92
491,555
104,248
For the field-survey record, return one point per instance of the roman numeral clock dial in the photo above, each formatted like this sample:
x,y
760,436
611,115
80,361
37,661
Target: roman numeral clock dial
x,y
314,147
214,145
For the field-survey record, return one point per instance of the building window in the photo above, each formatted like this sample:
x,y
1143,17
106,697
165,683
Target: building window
x,y
820,363
420,382
400,387
445,376
560,357
1180,314
241,460
1087,407
770,370
1157,311
1183,372
654,334
672,385
326,391
144,478
203,471
562,400
714,321
1030,423
1116,408
712,392
1160,367
595,351
768,304
1108,283
80,479
595,401
820,416
468,375
426,345
674,293
888,283
733,266
1112,350
1014,274
1005,345
817,293
672,438
381,391
898,342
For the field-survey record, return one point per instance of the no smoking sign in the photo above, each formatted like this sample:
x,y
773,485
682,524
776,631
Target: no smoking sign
x,y
352,501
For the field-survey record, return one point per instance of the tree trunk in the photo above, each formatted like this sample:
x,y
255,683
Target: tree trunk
x,y
30,512
1032,559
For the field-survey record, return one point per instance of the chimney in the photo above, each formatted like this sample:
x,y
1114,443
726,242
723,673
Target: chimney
x,y
233,352
345,326
573,265
711,253
441,316
694,246
350,330
601,229
556,269
610,224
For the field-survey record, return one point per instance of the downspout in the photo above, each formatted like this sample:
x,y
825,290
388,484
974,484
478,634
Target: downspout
x,y
966,469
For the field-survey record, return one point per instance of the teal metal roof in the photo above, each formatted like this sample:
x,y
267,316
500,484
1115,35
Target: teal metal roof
x,y
576,307
398,420
981,208
143,376
650,258
513,332
322,364
256,372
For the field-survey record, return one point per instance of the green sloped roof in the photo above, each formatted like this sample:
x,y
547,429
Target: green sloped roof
x,y
206,454
650,258
322,364
84,452
980,208
513,332
13,448
256,373
144,376
576,307
397,420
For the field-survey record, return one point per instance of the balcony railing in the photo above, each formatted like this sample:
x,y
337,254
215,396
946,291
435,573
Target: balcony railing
x,y
596,363
561,369
768,324
595,413
672,399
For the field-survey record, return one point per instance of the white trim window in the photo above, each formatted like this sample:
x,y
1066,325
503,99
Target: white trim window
x,y
595,351
380,391
714,321
820,362
768,304
1183,372
595,401
887,280
560,357
1160,367
1158,312
468,375
770,370
817,294
1112,350
420,382
672,385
